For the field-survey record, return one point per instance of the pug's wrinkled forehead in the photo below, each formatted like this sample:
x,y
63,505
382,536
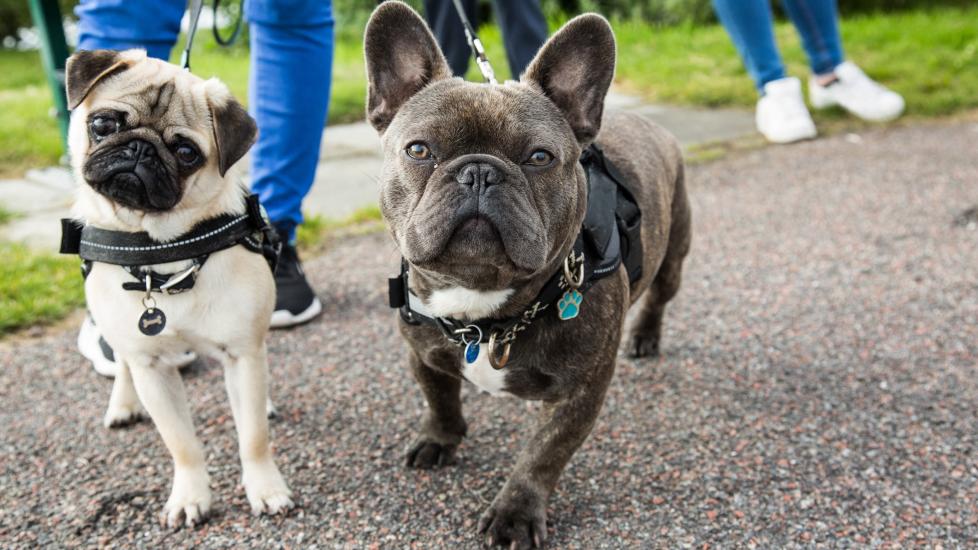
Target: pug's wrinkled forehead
x,y
142,130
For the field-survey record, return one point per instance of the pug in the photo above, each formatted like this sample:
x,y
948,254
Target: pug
x,y
155,150
486,199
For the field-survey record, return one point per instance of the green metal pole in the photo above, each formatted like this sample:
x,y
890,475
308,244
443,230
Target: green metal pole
x,y
54,53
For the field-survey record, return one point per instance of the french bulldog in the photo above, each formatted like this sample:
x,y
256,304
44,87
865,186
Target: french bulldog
x,y
155,150
484,196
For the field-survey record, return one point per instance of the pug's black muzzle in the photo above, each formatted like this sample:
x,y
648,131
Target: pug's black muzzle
x,y
133,174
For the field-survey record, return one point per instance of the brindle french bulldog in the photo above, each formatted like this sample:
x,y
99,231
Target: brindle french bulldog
x,y
484,195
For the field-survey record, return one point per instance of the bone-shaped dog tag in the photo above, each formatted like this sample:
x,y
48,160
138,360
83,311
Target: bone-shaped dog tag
x,y
152,321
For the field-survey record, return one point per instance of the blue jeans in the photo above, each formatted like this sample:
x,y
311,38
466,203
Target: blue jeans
x,y
751,27
289,81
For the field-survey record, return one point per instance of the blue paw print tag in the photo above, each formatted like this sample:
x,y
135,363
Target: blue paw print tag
x,y
471,351
570,305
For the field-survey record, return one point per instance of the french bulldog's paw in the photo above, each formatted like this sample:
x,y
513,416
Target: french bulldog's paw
x,y
516,525
266,489
118,416
642,346
427,454
190,499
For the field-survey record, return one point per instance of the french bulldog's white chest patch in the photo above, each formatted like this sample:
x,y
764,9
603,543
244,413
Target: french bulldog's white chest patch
x,y
461,302
482,374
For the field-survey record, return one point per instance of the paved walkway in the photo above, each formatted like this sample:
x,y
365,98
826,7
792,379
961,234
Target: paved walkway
x,y
347,175
817,388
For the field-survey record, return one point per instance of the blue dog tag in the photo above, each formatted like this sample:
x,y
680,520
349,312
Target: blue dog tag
x,y
570,305
471,351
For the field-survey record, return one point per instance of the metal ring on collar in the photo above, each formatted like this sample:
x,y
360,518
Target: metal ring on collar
x,y
569,276
498,362
468,330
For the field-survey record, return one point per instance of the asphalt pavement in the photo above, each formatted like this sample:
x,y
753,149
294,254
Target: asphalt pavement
x,y
817,387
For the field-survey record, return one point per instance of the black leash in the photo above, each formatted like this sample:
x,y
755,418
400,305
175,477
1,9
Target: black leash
x,y
196,7
476,45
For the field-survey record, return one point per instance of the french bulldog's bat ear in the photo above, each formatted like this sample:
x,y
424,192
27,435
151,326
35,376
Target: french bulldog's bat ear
x,y
234,131
574,69
85,68
402,58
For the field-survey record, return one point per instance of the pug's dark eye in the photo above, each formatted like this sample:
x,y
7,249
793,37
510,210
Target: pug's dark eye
x,y
186,154
419,151
539,158
103,126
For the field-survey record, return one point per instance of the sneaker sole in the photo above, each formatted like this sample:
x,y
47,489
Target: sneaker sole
x,y
284,318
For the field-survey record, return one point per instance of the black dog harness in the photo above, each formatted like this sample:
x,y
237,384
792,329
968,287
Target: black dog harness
x,y
136,252
609,237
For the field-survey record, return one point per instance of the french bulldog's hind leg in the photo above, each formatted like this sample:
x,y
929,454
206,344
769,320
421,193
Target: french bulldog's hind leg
x,y
124,407
246,378
646,331
443,427
161,391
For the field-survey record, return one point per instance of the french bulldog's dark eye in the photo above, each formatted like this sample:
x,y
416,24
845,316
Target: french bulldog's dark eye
x,y
419,151
539,158
186,154
103,126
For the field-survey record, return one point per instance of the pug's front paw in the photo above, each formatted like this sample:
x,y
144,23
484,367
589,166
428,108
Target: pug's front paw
x,y
518,521
427,454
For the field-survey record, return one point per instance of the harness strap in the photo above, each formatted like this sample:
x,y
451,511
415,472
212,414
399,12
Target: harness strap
x,y
136,252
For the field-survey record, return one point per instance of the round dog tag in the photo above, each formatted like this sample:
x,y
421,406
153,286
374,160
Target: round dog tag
x,y
152,321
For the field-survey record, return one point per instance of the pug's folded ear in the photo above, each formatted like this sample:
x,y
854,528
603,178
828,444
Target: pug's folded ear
x,y
402,58
574,69
86,68
234,129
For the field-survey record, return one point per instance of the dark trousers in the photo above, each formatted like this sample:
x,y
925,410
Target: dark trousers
x,y
523,25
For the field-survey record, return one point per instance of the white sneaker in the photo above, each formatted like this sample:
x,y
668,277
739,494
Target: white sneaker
x,y
858,94
781,113
94,348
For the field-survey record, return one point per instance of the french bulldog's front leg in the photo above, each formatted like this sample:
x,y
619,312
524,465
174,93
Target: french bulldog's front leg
x,y
443,427
246,378
124,407
517,516
161,391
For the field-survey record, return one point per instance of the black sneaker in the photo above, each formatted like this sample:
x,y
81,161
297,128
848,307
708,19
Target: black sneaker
x,y
295,302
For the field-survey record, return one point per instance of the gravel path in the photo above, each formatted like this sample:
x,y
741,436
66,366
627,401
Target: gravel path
x,y
818,387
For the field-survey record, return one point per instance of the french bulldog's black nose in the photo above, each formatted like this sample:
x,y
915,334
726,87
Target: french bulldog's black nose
x,y
479,175
138,149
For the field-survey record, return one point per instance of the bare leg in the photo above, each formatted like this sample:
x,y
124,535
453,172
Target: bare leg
x,y
161,391
443,427
246,378
124,407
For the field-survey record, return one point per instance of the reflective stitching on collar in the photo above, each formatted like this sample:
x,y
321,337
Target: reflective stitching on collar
x,y
166,245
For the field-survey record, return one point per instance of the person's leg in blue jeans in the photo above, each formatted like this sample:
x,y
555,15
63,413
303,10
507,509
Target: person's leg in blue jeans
x,y
152,25
289,86
817,22
750,25
524,31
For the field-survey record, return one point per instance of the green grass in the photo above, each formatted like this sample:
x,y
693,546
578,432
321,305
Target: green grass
x,y
930,56
315,230
36,287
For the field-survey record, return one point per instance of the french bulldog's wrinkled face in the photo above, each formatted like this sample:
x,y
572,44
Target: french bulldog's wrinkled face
x,y
482,185
144,132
